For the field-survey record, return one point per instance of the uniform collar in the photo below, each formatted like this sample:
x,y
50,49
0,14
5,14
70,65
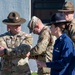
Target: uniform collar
x,y
19,34
44,28
61,37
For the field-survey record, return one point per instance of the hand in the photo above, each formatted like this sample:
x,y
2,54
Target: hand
x,y
41,64
28,54
22,61
1,50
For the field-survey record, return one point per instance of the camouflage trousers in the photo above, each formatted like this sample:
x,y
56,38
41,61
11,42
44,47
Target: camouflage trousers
x,y
14,73
44,71
24,70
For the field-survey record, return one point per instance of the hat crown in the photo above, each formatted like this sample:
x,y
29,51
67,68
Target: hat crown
x,y
68,6
58,17
14,17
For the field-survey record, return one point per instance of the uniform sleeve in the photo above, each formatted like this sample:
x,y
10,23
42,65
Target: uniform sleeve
x,y
65,59
26,45
2,43
72,33
29,40
22,45
41,45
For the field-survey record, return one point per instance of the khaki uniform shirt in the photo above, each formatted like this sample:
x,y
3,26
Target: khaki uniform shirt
x,y
44,48
17,47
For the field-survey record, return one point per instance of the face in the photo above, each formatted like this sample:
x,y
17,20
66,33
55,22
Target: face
x,y
53,29
56,31
8,28
69,15
37,28
15,29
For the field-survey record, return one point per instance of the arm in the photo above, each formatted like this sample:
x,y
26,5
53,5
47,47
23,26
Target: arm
x,y
2,51
71,30
2,47
22,44
65,59
72,33
41,45
28,41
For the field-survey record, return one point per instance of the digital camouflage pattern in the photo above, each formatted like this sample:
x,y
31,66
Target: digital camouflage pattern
x,y
17,47
71,31
43,50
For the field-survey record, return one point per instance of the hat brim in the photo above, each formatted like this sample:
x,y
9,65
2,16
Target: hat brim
x,y
7,22
65,10
49,24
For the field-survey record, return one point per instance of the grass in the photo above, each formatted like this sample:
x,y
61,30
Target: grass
x,y
34,73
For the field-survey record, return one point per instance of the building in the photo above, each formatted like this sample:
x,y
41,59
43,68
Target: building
x,y
27,8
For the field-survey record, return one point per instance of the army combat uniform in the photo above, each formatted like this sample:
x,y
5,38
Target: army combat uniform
x,y
68,9
43,50
71,32
17,47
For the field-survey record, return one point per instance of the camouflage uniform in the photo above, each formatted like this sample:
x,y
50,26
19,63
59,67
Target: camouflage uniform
x,y
43,50
17,47
68,8
71,32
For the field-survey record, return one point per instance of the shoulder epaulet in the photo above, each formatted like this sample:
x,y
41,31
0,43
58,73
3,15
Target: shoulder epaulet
x,y
26,35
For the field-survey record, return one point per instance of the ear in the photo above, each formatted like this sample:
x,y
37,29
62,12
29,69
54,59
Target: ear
x,y
57,28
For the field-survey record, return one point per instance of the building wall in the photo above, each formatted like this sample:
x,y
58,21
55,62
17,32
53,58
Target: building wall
x,y
21,6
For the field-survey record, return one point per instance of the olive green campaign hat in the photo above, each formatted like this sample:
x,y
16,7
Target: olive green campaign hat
x,y
67,7
14,19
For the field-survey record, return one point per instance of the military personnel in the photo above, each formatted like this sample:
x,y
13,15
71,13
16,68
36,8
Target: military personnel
x,y
44,47
68,9
63,62
14,45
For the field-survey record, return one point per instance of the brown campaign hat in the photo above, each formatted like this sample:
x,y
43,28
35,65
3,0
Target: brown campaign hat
x,y
67,7
14,19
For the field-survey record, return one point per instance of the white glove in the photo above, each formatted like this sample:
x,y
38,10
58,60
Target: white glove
x,y
23,61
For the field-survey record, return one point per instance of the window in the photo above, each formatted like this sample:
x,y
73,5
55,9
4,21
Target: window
x,y
44,9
